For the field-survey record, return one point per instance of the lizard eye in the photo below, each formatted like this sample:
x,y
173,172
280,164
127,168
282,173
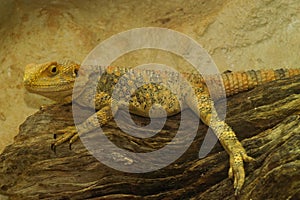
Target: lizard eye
x,y
53,69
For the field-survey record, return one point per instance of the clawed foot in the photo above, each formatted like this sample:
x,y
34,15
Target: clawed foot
x,y
68,134
236,170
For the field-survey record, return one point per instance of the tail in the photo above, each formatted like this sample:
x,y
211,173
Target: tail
x,y
235,82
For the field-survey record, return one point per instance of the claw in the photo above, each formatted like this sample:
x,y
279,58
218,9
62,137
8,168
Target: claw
x,y
53,147
237,192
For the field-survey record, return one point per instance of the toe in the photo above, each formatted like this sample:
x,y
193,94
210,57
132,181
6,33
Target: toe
x,y
67,134
247,158
237,171
230,173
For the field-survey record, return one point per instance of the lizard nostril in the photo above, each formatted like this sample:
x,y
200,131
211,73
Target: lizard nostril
x,y
76,72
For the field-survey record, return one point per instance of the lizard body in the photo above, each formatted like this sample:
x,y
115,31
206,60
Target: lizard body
x,y
55,80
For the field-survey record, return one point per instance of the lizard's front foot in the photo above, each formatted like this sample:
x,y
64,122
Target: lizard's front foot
x,y
236,170
68,134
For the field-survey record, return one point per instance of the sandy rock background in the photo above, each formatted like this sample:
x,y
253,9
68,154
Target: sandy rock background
x,y
238,34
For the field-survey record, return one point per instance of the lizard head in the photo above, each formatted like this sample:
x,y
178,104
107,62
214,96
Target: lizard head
x,y
52,79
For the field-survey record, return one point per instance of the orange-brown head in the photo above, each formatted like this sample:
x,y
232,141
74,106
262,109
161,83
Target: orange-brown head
x,y
54,80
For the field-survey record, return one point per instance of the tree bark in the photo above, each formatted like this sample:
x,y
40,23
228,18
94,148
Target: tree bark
x,y
265,119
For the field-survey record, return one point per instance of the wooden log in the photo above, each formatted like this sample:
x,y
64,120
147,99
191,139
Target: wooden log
x,y
266,119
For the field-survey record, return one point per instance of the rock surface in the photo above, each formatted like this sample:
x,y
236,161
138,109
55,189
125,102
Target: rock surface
x,y
266,119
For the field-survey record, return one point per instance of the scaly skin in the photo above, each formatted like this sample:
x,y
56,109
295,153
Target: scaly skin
x,y
56,81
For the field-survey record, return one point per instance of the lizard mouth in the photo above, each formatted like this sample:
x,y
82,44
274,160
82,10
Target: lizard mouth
x,y
49,87
55,92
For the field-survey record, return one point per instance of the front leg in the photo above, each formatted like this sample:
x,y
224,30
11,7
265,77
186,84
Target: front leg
x,y
203,107
70,133
102,103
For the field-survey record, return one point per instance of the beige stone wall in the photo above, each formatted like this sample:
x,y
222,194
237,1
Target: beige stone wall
x,y
239,35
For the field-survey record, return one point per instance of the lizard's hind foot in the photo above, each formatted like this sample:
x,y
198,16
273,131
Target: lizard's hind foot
x,y
236,170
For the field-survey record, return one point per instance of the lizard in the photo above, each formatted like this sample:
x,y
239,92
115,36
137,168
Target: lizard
x,y
55,80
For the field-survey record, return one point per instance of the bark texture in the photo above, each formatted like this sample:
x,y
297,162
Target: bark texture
x,y
266,119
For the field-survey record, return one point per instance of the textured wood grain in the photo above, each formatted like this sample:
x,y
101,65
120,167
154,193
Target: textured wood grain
x,y
265,118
